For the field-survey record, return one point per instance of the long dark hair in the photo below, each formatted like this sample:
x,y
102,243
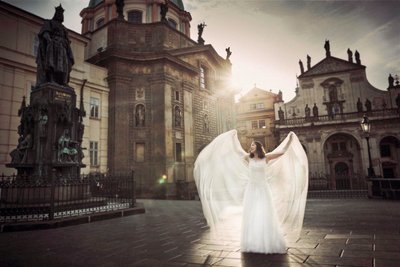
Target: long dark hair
x,y
259,150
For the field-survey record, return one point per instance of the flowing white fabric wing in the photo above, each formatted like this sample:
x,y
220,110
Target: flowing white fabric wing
x,y
288,179
221,174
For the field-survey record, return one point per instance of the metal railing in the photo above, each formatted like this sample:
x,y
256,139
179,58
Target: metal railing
x,y
392,112
23,200
339,187
385,187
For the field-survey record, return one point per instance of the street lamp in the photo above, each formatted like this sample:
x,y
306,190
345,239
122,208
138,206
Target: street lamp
x,y
366,127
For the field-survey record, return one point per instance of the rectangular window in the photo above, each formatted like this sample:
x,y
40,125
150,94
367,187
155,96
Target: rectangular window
x,y
202,77
135,16
342,146
335,147
385,150
139,153
261,124
254,124
94,153
91,26
178,152
109,12
94,107
176,95
259,105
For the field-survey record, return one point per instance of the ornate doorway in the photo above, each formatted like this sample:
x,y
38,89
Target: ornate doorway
x,y
342,152
342,179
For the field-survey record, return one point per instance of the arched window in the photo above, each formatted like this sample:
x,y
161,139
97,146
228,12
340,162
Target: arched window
x,y
172,23
140,115
135,16
99,23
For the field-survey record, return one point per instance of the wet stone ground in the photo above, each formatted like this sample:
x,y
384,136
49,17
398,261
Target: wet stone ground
x,y
348,232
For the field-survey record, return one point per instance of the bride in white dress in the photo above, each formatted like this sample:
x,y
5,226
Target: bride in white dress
x,y
270,189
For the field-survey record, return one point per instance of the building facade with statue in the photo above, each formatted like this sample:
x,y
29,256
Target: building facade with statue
x,y
331,99
169,95
18,71
255,118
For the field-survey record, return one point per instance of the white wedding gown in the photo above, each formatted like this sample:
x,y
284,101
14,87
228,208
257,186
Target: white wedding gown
x,y
261,231
270,196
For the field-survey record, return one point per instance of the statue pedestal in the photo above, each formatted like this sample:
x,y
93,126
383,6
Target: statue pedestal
x,y
51,133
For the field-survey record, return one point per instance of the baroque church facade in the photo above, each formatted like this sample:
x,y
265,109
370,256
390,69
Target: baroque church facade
x,y
169,95
331,99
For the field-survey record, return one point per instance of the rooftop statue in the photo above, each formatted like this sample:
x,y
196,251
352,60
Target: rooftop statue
x,y
200,29
350,55
164,10
391,81
120,8
301,67
357,56
327,47
228,53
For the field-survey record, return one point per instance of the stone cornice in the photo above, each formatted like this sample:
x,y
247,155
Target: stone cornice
x,y
201,49
140,57
331,65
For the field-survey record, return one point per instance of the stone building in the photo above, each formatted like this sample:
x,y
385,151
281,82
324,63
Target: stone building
x,y
255,118
331,99
168,94
99,12
18,48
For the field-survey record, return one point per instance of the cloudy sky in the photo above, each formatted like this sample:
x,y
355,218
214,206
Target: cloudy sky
x,y
267,38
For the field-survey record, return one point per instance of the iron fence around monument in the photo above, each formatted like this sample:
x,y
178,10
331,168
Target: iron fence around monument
x,y
24,200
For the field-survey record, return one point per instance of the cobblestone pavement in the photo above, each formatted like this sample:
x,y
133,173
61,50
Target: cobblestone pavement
x,y
348,232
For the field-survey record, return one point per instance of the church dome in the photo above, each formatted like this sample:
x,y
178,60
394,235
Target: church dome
x,y
178,3
94,3
100,12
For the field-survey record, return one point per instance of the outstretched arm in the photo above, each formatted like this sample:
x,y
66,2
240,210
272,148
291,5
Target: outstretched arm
x,y
280,150
270,156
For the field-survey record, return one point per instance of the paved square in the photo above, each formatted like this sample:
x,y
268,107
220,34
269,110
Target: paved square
x,y
347,232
